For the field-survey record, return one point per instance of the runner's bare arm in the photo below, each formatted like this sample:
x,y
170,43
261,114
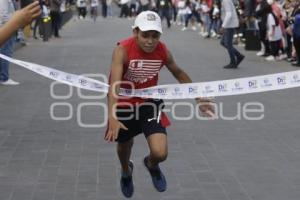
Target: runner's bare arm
x,y
176,71
116,76
20,19
182,77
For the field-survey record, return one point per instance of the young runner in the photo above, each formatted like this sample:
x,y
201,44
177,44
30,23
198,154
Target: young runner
x,y
136,63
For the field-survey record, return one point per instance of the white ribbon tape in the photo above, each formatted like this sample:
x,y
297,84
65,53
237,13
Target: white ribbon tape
x,y
175,91
60,76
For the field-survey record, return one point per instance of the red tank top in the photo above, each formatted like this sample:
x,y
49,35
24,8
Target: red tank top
x,y
141,68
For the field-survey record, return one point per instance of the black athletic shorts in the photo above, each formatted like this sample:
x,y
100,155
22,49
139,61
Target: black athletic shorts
x,y
145,118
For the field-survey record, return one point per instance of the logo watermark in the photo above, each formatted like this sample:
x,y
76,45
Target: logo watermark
x,y
179,110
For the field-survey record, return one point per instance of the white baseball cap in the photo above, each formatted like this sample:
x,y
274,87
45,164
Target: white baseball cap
x,y
148,21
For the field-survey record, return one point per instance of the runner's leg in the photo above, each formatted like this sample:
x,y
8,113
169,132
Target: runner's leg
x,y
124,152
158,146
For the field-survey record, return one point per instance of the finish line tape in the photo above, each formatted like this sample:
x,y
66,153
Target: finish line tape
x,y
60,76
239,86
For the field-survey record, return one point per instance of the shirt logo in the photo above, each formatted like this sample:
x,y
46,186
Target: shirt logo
x,y
141,71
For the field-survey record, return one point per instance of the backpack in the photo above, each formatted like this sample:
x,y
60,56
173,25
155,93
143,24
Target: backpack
x,y
296,28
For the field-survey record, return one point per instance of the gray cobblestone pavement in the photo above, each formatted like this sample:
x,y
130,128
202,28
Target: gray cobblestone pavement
x,y
44,159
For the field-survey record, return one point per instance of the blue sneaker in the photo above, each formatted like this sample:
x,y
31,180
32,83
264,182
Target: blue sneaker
x,y
158,178
127,183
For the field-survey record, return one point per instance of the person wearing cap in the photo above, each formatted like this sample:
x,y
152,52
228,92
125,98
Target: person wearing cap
x,y
136,63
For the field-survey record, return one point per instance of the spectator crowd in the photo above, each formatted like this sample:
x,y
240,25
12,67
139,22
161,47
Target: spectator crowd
x,y
274,22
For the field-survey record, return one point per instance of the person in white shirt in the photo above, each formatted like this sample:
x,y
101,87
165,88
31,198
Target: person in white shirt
x,y
181,12
144,5
94,9
109,8
7,8
191,11
274,34
20,19
230,23
81,6
124,12
214,25
205,12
